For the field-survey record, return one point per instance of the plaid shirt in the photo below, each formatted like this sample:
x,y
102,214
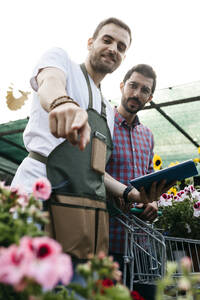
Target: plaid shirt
x,y
132,157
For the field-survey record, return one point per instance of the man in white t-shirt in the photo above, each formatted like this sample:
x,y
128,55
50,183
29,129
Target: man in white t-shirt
x,y
69,135
53,118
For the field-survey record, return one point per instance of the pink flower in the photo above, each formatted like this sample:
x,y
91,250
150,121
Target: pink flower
x,y
42,189
101,255
50,271
40,247
164,196
186,263
49,265
12,267
64,268
38,259
197,205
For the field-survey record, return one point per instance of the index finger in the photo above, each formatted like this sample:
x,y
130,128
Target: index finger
x,y
80,119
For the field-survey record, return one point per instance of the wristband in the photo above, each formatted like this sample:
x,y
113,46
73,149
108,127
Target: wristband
x,y
61,100
126,192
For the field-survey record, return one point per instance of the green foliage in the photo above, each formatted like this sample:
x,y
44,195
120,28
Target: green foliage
x,y
22,221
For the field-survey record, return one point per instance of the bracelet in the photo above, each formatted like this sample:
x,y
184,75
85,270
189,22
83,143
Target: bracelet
x,y
126,192
61,100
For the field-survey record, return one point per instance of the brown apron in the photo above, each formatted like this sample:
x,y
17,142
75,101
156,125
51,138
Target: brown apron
x,y
79,217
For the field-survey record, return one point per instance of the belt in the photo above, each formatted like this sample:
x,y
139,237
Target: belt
x,y
37,156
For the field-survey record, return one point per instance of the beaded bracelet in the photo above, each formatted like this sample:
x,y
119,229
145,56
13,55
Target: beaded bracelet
x,y
61,100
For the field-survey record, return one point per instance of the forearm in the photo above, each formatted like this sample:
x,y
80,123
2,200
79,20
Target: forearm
x,y
117,188
113,186
51,82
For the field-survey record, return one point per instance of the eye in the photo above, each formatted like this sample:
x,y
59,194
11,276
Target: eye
x,y
133,85
106,41
146,91
121,47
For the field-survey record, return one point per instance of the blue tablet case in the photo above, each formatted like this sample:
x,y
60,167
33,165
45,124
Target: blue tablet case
x,y
177,172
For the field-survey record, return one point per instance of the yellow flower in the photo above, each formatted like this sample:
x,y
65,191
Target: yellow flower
x,y
196,160
173,191
157,162
199,150
173,164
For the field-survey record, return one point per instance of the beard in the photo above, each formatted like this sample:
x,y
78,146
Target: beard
x,y
99,66
131,108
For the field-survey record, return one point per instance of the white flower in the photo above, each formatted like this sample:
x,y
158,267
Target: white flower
x,y
188,228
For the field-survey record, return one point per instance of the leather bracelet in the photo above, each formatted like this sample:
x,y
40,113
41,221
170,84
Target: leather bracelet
x,y
126,192
61,100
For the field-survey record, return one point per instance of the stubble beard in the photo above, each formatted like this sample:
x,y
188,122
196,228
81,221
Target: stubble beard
x,y
100,67
131,110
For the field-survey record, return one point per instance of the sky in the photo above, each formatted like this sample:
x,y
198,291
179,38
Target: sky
x,y
165,36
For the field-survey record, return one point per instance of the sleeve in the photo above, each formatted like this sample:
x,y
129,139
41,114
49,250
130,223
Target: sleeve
x,y
55,57
151,169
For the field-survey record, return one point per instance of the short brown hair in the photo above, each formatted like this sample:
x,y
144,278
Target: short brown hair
x,y
112,21
145,70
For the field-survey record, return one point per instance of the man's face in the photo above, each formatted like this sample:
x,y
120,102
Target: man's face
x,y
136,92
107,51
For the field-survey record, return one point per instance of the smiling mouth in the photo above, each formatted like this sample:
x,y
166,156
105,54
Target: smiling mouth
x,y
133,102
109,58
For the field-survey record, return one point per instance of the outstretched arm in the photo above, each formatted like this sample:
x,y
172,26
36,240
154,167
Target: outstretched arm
x,y
67,120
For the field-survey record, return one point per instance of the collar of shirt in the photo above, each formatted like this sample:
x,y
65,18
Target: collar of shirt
x,y
121,121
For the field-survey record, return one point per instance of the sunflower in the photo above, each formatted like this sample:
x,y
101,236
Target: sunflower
x,y
196,160
157,162
173,164
173,191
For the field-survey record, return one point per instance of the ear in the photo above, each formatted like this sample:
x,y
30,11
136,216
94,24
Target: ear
x,y
121,85
90,43
150,98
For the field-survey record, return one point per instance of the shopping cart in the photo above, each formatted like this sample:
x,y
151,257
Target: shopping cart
x,y
144,249
177,248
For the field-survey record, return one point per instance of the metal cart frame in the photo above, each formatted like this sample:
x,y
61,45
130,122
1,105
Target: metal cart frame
x,y
146,251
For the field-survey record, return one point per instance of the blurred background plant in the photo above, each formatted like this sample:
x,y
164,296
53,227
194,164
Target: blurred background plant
x,y
185,287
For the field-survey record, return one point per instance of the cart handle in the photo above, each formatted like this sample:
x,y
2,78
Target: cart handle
x,y
137,211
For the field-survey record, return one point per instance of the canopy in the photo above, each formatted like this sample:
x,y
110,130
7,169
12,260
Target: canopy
x,y
12,150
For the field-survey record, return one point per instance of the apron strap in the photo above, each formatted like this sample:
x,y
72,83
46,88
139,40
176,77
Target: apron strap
x,y
38,156
83,68
103,106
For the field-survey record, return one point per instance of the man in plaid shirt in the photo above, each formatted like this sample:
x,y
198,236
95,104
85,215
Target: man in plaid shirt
x,y
133,145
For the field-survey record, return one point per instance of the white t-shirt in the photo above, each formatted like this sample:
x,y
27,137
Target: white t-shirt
x,y
37,136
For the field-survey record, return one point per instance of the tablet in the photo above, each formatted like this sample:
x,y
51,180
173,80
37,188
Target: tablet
x,y
175,173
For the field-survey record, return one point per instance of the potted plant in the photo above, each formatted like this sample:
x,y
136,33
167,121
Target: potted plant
x,y
180,213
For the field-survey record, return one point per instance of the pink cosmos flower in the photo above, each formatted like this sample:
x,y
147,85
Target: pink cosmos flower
x,y
42,189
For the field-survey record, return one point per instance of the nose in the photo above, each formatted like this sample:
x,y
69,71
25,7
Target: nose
x,y
136,92
113,48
